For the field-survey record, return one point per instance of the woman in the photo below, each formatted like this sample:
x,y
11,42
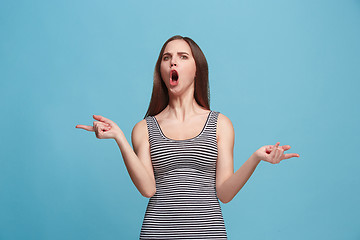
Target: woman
x,y
183,152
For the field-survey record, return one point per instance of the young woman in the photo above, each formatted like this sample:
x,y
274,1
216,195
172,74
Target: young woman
x,y
183,151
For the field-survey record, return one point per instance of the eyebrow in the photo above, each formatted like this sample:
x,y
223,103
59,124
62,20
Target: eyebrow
x,y
167,53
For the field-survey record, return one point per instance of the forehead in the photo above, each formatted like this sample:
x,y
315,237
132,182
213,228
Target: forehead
x,y
178,45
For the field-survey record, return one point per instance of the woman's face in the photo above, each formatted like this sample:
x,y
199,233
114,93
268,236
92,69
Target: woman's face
x,y
178,66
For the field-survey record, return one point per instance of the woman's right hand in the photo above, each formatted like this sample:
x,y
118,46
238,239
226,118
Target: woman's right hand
x,y
104,128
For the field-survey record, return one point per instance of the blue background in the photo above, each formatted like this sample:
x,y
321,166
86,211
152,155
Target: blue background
x,y
284,71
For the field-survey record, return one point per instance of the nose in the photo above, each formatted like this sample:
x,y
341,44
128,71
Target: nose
x,y
173,62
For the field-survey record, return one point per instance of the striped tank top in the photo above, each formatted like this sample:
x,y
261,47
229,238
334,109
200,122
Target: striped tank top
x,y
185,205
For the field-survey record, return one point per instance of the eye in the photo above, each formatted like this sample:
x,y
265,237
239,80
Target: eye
x,y
185,57
165,58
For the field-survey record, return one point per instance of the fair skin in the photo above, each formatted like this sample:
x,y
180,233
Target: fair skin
x,y
183,119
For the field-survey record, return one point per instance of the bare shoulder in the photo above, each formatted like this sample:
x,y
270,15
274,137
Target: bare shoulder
x,y
224,122
139,132
222,119
224,127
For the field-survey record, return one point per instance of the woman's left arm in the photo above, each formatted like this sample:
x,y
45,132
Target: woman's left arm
x,y
228,183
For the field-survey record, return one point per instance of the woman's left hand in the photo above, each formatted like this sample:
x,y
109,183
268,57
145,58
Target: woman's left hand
x,y
274,153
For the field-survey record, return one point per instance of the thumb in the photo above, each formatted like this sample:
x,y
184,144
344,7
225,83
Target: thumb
x,y
102,119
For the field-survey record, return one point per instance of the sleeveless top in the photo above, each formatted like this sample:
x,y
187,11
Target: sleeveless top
x,y
185,205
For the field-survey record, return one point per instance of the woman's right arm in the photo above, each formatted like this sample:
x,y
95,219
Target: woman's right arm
x,y
138,161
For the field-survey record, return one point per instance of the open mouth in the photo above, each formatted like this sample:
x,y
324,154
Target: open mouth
x,y
174,76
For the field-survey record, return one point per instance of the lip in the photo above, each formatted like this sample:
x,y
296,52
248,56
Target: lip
x,y
173,70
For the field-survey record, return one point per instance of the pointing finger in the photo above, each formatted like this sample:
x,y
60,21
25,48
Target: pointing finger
x,y
89,128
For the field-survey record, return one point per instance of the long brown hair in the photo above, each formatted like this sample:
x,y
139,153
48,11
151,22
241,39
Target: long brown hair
x,y
160,96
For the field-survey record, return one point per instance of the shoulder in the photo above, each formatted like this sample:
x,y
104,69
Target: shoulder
x,y
139,131
225,127
224,121
140,125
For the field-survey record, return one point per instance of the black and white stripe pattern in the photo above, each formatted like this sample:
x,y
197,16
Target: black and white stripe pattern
x,y
185,205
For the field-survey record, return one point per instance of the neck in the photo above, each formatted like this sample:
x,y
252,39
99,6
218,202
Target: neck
x,y
183,106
